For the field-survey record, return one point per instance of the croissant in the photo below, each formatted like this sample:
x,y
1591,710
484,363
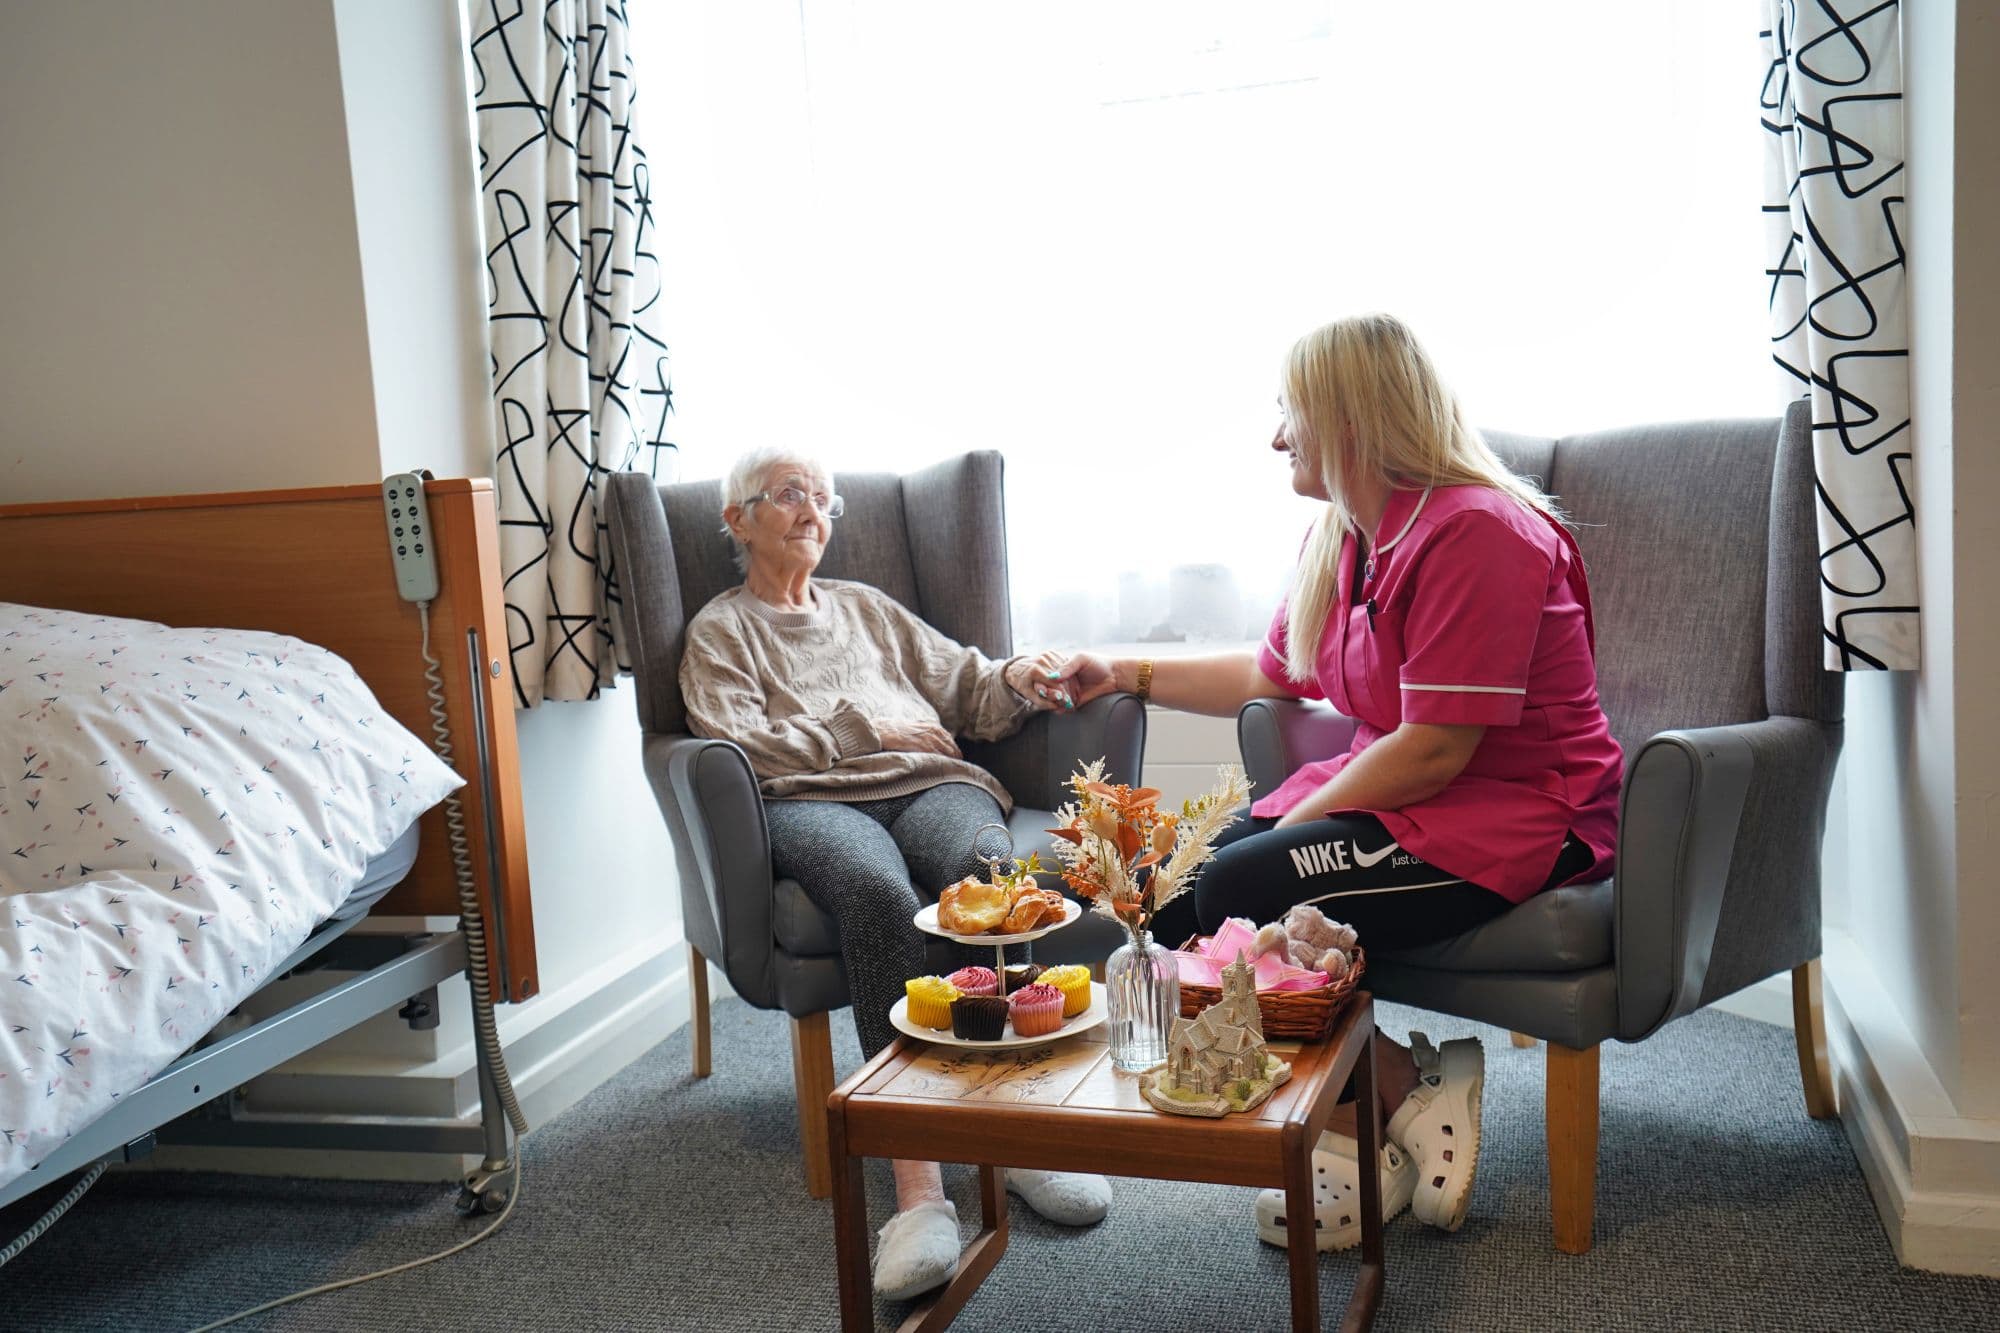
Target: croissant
x,y
972,907
1033,908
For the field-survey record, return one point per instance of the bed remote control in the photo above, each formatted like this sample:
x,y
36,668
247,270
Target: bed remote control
x,y
412,549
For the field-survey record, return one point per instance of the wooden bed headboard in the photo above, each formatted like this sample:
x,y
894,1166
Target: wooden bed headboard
x,y
315,564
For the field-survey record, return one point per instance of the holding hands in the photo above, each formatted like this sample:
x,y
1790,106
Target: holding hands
x,y
1058,681
1052,681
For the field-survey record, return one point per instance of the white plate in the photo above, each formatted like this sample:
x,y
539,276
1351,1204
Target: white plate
x,y
927,921
899,1018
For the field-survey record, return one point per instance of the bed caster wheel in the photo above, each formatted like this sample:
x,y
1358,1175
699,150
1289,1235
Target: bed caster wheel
x,y
486,1190
472,1203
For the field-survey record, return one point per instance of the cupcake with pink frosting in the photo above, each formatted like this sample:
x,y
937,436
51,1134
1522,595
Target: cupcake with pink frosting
x,y
1035,1010
974,981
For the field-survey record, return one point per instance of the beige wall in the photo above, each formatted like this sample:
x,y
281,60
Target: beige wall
x,y
181,272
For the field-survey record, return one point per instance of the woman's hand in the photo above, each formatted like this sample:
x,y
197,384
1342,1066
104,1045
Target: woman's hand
x,y
927,737
1085,676
1040,680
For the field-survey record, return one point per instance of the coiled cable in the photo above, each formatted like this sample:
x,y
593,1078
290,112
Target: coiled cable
x,y
471,921
48,1219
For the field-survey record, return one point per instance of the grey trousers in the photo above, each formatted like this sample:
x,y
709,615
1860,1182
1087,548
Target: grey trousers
x,y
872,865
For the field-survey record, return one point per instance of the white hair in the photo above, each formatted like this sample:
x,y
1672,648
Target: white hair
x,y
745,480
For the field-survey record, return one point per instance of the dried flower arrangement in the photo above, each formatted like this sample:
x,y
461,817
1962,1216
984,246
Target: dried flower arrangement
x,y
1112,834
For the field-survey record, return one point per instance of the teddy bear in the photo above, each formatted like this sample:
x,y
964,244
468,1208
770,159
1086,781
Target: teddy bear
x,y
1308,938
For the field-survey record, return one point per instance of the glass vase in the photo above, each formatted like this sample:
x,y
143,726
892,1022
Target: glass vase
x,y
1142,987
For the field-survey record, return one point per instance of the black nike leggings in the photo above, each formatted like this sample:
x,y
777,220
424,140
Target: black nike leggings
x,y
1350,868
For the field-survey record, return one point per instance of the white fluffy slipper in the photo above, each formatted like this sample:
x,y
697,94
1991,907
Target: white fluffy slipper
x,y
1337,1194
917,1250
1438,1125
1070,1198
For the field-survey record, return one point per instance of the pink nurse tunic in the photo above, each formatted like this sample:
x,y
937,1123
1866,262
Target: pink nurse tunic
x,y
1474,610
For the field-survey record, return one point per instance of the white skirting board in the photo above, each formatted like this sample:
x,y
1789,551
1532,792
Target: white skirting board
x,y
559,1049
1934,1175
1769,1001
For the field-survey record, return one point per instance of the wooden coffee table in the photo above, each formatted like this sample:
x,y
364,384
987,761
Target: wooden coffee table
x,y
1064,1107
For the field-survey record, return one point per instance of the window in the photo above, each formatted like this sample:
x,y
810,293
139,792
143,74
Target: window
x,y
1085,233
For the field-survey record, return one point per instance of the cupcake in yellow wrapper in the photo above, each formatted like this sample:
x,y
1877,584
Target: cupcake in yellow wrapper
x,y
1073,980
930,1002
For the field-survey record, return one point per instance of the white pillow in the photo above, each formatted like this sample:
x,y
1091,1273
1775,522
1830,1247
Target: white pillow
x,y
127,745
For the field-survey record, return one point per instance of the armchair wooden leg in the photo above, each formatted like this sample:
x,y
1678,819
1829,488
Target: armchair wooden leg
x,y
1572,1129
1809,1031
1523,1040
812,1078
698,1018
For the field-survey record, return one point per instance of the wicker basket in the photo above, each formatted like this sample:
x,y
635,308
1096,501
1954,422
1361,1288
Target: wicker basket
x,y
1287,1015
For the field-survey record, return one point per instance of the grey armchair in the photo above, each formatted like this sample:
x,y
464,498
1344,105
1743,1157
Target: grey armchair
x,y
936,541
1703,567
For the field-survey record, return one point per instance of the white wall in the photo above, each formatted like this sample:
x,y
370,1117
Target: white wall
x,y
1901,742
409,133
184,300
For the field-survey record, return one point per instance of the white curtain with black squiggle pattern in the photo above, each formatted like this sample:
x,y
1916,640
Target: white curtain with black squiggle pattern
x,y
580,382
1833,111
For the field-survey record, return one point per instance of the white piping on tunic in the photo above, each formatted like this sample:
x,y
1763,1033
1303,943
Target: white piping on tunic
x,y
1383,546
1466,689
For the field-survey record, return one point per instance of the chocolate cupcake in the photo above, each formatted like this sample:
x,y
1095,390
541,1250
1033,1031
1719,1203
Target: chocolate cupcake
x,y
978,1017
1021,974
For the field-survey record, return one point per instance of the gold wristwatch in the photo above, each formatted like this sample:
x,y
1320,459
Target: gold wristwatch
x,y
1144,680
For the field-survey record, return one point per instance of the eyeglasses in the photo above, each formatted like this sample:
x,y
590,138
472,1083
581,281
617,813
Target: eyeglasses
x,y
791,497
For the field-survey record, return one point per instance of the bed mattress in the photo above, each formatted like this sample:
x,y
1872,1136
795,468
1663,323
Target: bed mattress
x,y
381,874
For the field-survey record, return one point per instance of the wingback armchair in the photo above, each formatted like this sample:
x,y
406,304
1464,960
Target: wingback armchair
x,y
1700,544
935,540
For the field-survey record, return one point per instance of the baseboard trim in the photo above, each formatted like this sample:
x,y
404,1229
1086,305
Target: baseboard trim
x,y
1934,1176
555,1057
1769,1001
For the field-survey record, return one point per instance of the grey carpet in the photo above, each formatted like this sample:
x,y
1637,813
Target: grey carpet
x,y
662,1202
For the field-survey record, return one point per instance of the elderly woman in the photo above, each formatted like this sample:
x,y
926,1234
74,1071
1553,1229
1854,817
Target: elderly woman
x,y
847,706
1441,603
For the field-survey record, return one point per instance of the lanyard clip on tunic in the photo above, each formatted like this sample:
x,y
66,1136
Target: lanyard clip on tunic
x,y
1367,576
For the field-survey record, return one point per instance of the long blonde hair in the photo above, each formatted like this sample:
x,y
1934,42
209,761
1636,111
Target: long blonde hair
x,y
1363,399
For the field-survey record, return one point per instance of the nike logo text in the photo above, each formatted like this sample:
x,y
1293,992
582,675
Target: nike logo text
x,y
1326,858
1320,859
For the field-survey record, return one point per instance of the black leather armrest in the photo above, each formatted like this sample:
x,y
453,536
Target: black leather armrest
x,y
708,794
1278,736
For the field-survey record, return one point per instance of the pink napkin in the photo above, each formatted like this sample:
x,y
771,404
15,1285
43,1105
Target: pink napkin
x,y
1203,965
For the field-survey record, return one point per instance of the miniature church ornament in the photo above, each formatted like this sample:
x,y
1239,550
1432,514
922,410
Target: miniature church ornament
x,y
1216,1061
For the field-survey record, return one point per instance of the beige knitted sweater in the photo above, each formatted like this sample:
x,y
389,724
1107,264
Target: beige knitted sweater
x,y
800,691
